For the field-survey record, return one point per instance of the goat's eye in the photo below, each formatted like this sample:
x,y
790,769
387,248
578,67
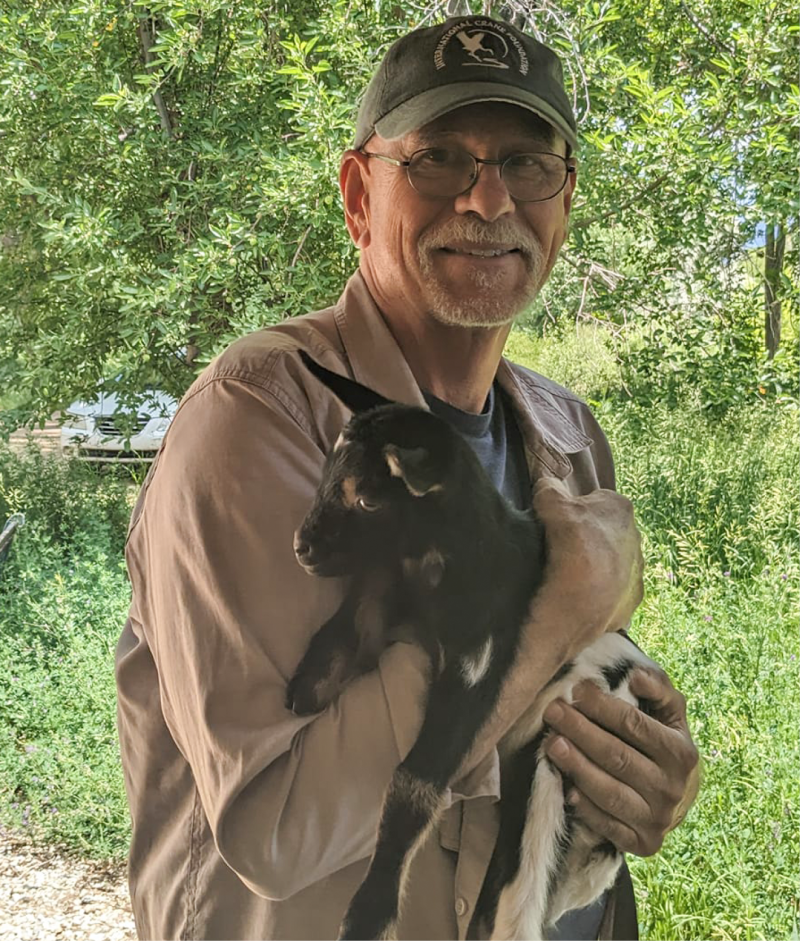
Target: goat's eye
x,y
367,505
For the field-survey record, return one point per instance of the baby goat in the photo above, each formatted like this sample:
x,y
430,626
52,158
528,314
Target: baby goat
x,y
406,508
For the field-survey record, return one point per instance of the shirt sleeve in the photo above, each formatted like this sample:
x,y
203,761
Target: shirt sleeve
x,y
227,613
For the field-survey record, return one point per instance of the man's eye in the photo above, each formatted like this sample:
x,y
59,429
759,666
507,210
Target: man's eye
x,y
367,505
437,157
526,161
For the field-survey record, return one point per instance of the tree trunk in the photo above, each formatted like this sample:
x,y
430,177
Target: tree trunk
x,y
773,265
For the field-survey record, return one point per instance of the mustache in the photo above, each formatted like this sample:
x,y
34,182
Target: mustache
x,y
479,233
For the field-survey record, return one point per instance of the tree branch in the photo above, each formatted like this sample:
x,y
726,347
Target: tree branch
x,y
146,40
585,223
716,43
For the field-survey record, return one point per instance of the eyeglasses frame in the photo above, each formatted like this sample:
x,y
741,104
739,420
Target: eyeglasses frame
x,y
570,168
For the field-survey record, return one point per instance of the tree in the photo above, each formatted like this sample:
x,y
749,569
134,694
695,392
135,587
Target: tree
x,y
169,171
168,182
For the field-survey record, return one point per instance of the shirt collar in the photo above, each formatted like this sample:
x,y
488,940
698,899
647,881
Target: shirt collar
x,y
378,363
372,351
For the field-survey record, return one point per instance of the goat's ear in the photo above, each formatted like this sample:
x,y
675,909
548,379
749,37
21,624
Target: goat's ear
x,y
414,467
356,397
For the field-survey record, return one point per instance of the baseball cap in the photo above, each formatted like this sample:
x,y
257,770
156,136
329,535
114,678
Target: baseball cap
x,y
467,59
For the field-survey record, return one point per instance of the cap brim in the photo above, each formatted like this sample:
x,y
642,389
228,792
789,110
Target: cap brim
x,y
435,102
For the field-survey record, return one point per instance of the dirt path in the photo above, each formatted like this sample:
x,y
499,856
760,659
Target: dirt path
x,y
46,895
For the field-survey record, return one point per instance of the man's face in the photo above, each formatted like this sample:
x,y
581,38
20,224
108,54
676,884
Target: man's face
x,y
477,259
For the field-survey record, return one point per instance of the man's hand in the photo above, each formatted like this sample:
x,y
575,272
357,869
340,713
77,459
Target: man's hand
x,y
593,576
592,584
635,776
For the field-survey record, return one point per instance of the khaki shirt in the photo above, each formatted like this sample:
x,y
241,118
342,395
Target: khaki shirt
x,y
249,822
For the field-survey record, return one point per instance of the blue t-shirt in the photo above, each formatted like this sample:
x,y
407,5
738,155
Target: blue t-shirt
x,y
495,437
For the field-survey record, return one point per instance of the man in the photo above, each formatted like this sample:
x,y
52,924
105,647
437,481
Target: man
x,y
249,822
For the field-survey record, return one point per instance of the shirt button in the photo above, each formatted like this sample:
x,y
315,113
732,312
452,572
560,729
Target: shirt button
x,y
461,907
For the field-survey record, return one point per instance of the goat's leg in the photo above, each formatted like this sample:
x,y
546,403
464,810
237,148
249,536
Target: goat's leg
x,y
329,663
535,865
454,713
518,772
546,862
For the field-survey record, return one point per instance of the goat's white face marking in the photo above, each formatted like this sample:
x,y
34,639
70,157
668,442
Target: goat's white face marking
x,y
394,465
473,669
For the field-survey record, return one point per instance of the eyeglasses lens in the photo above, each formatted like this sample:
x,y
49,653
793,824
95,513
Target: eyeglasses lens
x,y
448,172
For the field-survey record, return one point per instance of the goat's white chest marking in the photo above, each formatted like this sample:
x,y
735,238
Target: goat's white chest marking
x,y
474,668
429,569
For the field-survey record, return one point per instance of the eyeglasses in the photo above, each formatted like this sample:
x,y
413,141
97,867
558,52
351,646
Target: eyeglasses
x,y
444,172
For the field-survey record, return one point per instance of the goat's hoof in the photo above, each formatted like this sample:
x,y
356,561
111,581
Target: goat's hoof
x,y
301,696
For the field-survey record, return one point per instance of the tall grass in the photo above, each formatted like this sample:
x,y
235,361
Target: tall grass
x,y
717,504
711,495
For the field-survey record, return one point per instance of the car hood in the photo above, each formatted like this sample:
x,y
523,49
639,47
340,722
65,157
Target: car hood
x,y
154,403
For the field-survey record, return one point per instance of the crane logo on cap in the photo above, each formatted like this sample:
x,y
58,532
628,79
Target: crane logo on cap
x,y
481,43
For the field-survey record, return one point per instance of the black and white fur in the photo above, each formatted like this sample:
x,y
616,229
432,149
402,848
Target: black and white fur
x,y
437,554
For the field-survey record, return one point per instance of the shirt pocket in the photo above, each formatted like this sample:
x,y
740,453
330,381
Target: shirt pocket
x,y
450,827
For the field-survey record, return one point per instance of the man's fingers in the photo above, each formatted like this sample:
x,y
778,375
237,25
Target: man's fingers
x,y
627,722
610,828
608,756
604,802
666,703
612,796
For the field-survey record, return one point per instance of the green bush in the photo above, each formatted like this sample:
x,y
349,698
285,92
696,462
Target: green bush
x,y
718,362
63,597
580,357
59,758
67,504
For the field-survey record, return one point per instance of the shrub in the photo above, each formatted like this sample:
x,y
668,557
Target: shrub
x,y
59,758
67,504
579,357
719,362
63,596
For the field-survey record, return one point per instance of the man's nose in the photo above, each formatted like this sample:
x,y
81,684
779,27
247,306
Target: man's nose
x,y
488,196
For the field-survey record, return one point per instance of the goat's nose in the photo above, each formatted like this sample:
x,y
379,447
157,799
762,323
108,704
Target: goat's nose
x,y
302,548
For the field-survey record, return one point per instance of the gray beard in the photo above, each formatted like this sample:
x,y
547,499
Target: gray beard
x,y
494,305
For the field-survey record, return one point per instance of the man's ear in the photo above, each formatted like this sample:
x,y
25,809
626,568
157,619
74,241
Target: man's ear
x,y
414,467
353,183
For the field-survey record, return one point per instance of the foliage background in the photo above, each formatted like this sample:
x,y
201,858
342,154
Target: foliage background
x,y
168,174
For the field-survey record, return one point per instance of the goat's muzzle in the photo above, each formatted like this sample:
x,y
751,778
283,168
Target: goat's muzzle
x,y
304,551
315,557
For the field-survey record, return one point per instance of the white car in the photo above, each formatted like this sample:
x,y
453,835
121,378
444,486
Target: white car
x,y
92,430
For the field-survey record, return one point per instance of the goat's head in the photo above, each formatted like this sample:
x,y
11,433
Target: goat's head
x,y
381,483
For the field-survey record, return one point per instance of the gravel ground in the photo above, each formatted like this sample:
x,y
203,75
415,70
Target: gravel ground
x,y
46,895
